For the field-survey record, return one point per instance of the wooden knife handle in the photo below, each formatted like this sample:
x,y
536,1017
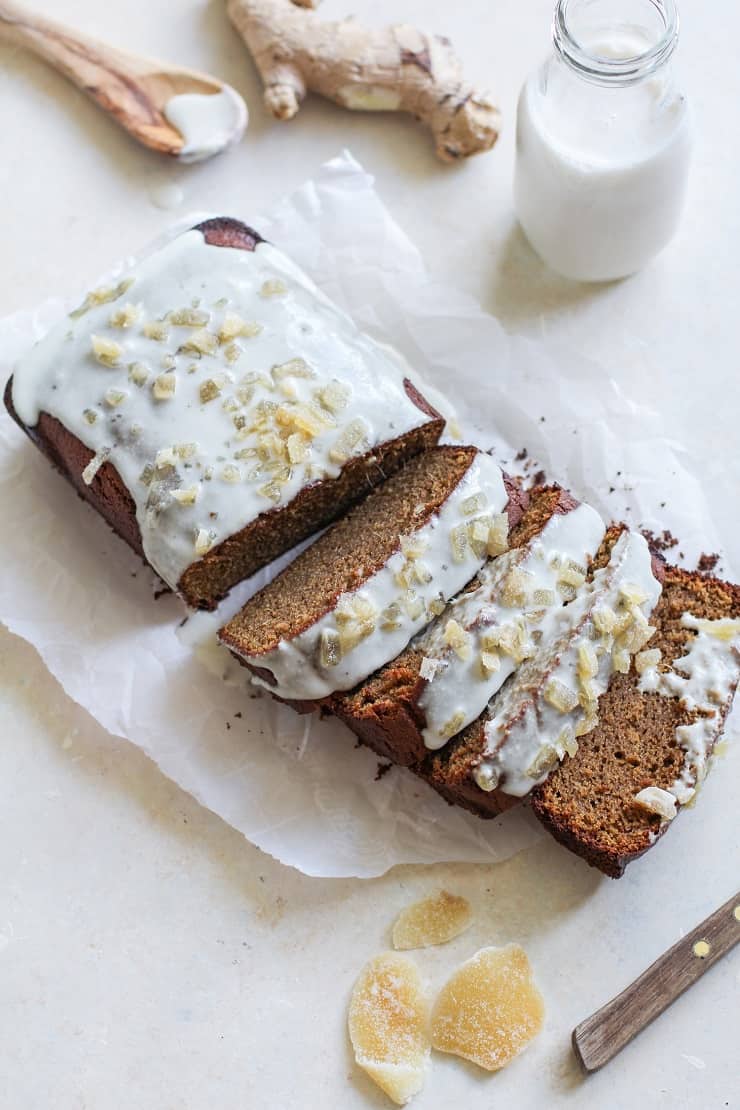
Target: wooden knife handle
x,y
601,1036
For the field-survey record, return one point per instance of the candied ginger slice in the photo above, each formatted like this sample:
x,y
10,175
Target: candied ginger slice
x,y
433,920
388,1025
490,1009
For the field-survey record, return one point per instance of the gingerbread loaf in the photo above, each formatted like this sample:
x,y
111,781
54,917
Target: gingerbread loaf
x,y
216,408
354,599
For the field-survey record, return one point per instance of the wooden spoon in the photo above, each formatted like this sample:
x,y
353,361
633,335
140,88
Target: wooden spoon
x,y
137,92
600,1037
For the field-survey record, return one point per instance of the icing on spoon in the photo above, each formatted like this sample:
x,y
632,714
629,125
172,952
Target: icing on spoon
x,y
188,115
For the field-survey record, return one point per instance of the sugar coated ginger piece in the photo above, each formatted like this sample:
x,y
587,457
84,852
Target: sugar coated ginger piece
x,y
433,920
490,1009
389,1025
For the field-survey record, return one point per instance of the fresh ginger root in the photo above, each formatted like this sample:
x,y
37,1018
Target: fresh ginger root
x,y
395,68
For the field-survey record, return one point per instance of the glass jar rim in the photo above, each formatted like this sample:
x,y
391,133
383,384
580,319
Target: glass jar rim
x,y
616,71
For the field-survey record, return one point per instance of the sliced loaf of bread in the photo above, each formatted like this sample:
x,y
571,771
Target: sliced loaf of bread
x,y
615,787
451,670
658,726
354,599
540,715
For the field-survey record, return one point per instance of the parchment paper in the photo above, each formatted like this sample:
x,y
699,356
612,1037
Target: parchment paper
x,y
296,787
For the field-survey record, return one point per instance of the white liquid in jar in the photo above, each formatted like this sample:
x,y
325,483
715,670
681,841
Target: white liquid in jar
x,y
601,172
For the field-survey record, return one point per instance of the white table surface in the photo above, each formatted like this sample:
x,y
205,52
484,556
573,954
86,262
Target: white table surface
x,y
150,958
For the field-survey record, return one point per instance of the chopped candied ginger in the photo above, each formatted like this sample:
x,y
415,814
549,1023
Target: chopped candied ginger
x,y
490,1009
498,537
104,295
273,288
388,1025
126,316
334,396
188,318
459,541
202,341
725,629
233,326
164,387
106,351
433,920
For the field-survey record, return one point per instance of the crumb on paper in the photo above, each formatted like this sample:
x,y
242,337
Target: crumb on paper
x,y
660,541
382,771
707,563
490,1009
433,920
388,1025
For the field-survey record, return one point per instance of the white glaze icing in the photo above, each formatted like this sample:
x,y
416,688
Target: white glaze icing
x,y
298,665
526,735
208,123
460,687
285,318
704,679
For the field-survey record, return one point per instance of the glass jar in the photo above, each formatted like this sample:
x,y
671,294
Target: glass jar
x,y
603,140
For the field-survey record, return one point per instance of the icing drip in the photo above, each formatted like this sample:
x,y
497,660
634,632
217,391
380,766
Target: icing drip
x,y
704,679
552,699
501,621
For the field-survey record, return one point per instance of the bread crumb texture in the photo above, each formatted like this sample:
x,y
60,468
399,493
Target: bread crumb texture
x,y
433,920
490,1009
389,1026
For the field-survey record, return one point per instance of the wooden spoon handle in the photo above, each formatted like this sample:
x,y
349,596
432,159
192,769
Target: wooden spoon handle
x,y
122,84
80,58
601,1036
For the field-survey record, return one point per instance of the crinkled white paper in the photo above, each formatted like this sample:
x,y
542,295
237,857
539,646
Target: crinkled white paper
x,y
295,786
